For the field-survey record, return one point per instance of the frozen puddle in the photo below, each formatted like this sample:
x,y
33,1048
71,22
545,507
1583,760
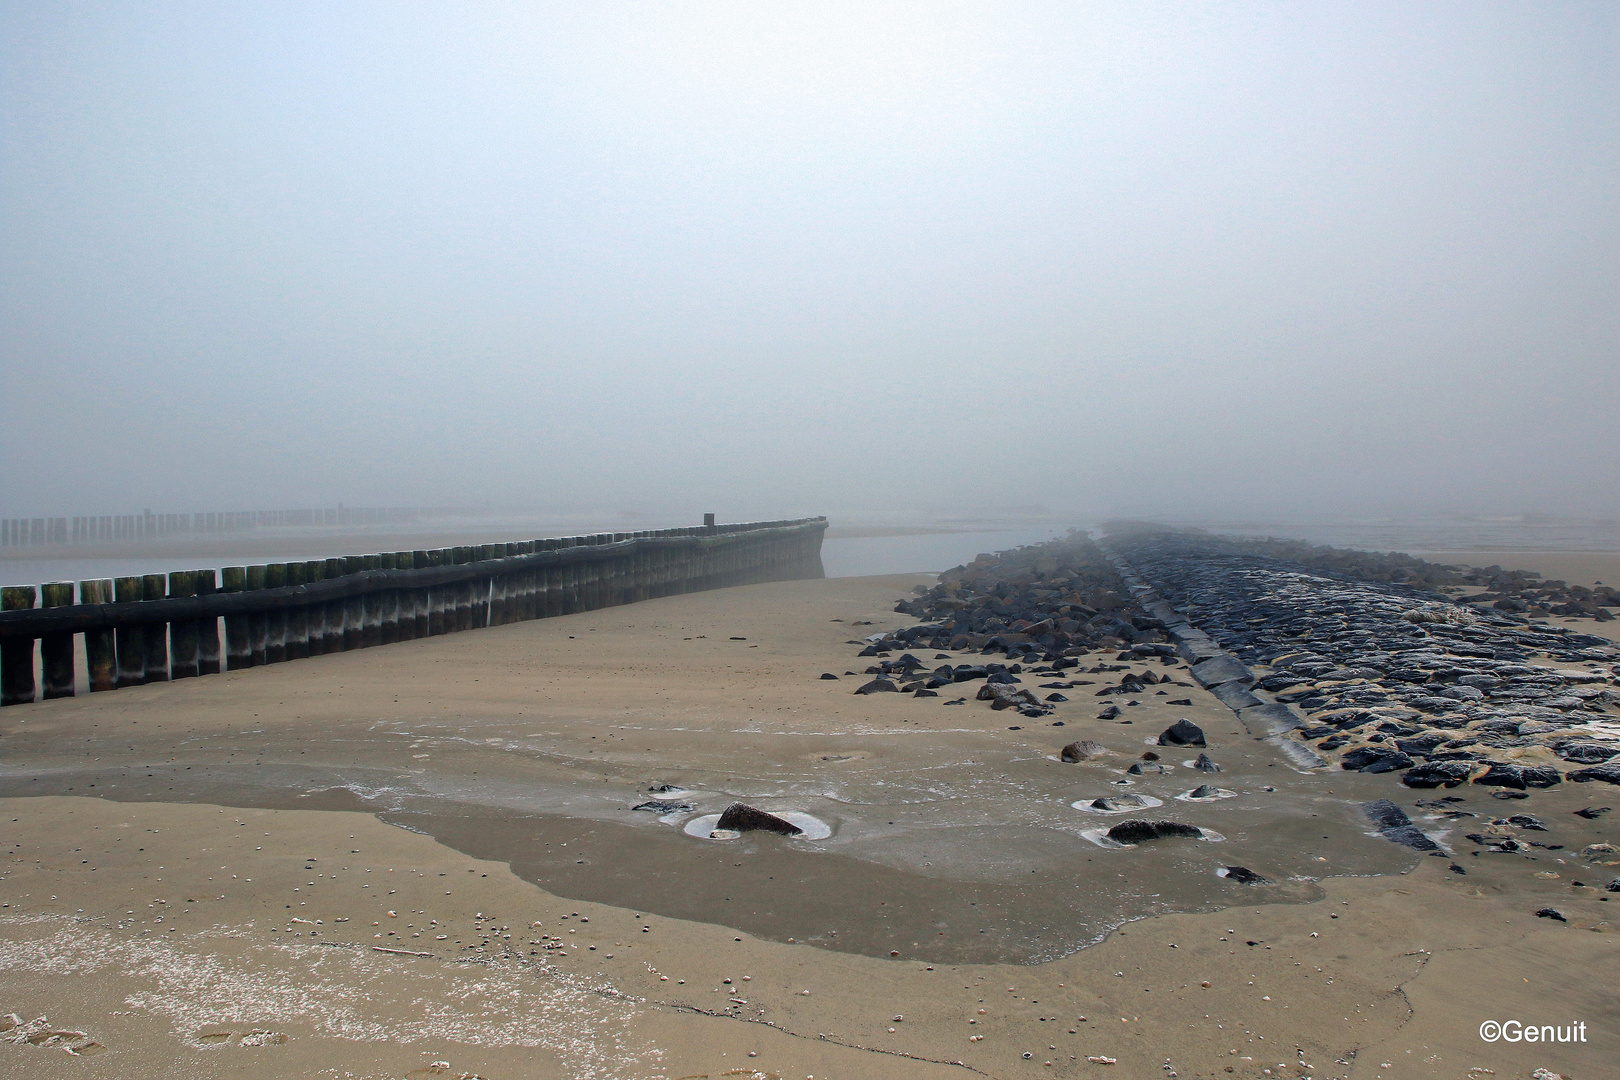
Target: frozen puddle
x,y
1206,793
1117,804
703,827
1101,838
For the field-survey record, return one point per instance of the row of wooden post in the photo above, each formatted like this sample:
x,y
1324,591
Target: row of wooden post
x,y
84,529
503,587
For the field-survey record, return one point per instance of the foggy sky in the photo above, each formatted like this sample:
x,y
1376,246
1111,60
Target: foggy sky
x,y
783,259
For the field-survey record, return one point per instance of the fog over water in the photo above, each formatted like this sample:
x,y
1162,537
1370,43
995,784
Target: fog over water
x,y
879,261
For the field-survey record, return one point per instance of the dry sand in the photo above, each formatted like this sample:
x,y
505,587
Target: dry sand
x,y
215,904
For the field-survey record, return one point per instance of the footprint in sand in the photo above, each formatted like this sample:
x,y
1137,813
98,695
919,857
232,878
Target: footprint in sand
x,y
840,755
39,1032
242,1038
440,1070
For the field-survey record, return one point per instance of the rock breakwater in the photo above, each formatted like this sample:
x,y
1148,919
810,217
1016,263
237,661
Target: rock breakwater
x,y
1385,672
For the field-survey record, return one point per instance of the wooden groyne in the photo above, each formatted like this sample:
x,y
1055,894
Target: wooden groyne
x,y
159,627
104,528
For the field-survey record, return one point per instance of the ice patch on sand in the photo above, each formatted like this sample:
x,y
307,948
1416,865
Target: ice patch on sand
x,y
703,827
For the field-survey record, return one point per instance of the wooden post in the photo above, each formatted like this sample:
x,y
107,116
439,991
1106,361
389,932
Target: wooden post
x,y
456,601
421,601
297,629
515,590
275,622
440,597
17,654
238,628
129,641
315,614
334,609
573,576
483,588
155,587
500,596
258,624
99,655
494,588
590,594
388,630
207,628
183,632
524,604
401,605
354,607
371,607
56,650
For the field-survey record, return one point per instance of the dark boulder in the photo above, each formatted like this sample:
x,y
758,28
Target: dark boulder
x,y
1244,876
1109,713
1591,813
1385,814
1119,802
1609,774
878,686
1509,775
1551,913
1524,821
659,806
1083,750
740,817
1136,831
1389,763
1395,826
1374,759
828,675
1204,764
1587,753
1220,669
1436,773
1204,791
1234,695
1182,733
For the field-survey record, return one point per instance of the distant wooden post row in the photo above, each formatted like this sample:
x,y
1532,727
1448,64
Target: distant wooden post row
x,y
113,528
160,627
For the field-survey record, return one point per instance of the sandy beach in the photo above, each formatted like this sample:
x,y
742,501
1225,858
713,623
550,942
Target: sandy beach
x,y
421,860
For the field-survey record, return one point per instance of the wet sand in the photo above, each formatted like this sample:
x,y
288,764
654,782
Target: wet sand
x,y
516,752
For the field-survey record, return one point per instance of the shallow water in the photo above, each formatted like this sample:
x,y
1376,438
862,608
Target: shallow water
x,y
945,846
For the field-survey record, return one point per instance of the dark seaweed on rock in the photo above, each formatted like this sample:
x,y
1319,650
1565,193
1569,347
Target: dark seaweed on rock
x,y
1135,831
740,817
